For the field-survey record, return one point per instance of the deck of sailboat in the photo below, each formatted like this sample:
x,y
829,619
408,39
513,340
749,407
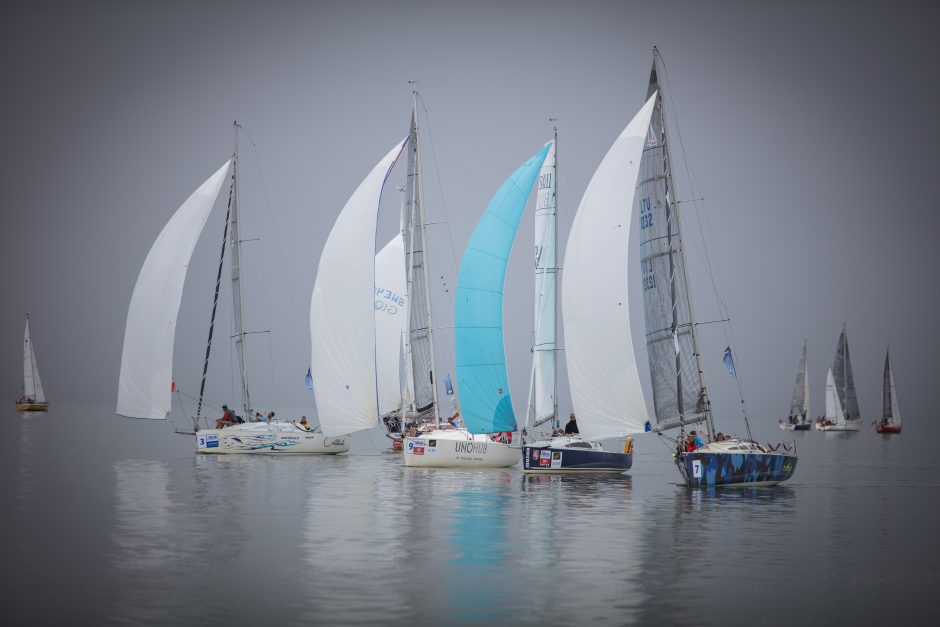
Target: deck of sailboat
x,y
30,406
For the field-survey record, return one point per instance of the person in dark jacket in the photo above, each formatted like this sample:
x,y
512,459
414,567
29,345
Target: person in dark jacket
x,y
572,426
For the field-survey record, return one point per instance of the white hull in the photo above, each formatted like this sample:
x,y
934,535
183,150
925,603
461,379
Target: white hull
x,y
458,449
260,438
850,425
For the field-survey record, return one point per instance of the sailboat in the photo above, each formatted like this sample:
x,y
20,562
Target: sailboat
x,y
890,422
841,400
33,398
602,370
680,398
146,381
799,406
488,418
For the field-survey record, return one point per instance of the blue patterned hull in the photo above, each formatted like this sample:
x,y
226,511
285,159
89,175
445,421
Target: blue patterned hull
x,y
707,470
548,461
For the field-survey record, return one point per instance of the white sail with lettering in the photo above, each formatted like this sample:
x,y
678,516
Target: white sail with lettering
x,y
545,282
390,322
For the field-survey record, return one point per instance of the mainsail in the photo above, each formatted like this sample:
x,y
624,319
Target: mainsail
x,y
478,305
390,322
602,369
799,406
889,398
543,345
147,356
679,395
419,348
32,386
342,311
845,383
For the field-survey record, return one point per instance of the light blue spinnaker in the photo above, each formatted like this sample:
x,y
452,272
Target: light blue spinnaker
x,y
478,308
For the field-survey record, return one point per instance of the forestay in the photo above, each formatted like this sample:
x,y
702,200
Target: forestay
x,y
32,386
602,368
342,311
147,358
545,284
390,322
478,308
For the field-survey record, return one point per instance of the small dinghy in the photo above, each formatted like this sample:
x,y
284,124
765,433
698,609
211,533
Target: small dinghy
x,y
799,406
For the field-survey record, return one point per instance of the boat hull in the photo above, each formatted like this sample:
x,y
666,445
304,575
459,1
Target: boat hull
x,y
32,406
849,425
888,429
272,441
706,470
479,452
554,461
786,426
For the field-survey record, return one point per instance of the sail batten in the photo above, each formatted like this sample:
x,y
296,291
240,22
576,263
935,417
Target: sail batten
x,y
342,311
478,306
602,368
147,356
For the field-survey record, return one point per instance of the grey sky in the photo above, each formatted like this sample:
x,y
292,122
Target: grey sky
x,y
810,127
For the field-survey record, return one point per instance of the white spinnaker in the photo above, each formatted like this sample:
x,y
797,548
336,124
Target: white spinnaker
x,y
342,312
544,340
390,322
32,386
147,358
834,413
602,368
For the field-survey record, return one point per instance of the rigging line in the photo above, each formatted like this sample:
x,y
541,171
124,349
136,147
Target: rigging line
x,y
279,247
716,283
437,172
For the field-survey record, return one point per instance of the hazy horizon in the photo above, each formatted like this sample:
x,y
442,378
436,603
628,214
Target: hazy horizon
x,y
810,130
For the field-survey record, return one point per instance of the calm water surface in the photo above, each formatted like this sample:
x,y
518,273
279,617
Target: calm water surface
x,y
114,521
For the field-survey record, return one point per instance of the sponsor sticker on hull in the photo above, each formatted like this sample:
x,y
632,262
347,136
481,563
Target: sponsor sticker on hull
x,y
209,440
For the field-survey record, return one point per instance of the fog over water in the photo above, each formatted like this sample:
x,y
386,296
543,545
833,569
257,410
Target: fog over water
x,y
809,129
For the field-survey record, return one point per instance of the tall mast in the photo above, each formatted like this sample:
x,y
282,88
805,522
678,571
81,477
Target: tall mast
x,y
421,335
237,300
672,217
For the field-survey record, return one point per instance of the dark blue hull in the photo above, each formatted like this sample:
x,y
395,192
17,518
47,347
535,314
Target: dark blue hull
x,y
547,460
707,470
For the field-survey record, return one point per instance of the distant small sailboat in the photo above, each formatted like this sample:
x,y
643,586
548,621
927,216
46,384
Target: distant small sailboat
x,y
146,382
841,401
890,422
799,406
33,398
